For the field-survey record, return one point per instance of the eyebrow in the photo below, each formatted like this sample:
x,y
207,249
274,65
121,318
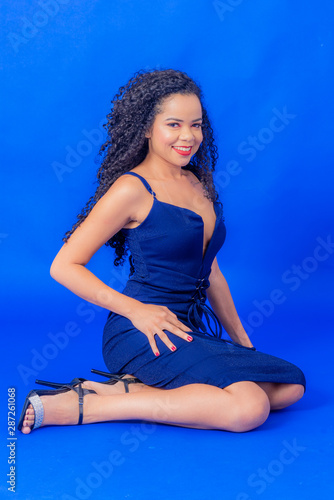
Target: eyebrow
x,y
178,120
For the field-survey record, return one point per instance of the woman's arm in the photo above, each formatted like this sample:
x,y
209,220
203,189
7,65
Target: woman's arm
x,y
221,301
124,203
112,212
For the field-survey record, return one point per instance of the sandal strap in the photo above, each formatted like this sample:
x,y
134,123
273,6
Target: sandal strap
x,y
81,398
81,393
113,378
37,405
128,381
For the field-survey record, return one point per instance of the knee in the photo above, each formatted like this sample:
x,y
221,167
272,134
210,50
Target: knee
x,y
250,413
296,392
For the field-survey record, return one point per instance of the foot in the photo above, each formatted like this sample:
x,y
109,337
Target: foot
x,y
63,409
59,409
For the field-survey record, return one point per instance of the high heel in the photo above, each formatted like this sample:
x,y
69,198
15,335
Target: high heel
x,y
34,399
73,382
113,379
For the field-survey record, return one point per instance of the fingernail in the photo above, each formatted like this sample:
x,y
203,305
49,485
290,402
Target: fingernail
x,y
173,348
157,353
189,338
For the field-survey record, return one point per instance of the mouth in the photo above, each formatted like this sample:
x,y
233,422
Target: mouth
x,y
183,150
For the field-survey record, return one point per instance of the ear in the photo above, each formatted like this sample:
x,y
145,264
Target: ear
x,y
148,133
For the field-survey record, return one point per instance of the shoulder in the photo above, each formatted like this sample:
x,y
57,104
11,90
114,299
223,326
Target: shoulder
x,y
128,188
125,199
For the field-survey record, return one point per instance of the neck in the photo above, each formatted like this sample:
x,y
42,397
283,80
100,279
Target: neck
x,y
160,169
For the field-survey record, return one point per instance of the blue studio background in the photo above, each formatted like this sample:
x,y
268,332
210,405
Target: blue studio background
x,y
265,69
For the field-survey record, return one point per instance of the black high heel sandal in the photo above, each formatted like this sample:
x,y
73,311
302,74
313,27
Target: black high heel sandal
x,y
113,379
33,398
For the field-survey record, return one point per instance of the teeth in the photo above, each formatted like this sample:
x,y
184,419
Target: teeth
x,y
183,149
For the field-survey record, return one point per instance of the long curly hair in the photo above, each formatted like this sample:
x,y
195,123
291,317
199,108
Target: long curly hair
x,y
132,114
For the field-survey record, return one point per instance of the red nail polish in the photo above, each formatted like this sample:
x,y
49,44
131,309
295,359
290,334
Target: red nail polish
x,y
157,354
173,348
189,338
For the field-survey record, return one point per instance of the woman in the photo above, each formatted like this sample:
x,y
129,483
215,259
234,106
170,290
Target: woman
x,y
156,198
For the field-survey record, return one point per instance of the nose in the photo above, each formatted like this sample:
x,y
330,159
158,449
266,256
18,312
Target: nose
x,y
186,134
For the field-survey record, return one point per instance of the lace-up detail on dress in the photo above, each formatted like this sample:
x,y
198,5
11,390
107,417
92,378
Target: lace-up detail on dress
x,y
199,308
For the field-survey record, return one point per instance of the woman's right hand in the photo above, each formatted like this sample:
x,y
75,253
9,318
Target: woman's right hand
x,y
153,320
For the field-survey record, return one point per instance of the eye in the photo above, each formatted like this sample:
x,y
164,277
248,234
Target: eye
x,y
172,124
197,125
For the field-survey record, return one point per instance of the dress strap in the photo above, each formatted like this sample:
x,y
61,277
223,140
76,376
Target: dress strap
x,y
144,181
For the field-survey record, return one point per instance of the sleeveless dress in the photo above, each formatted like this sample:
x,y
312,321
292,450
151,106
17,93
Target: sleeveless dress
x,y
170,270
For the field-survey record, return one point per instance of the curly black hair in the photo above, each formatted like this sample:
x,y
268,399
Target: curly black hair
x,y
132,114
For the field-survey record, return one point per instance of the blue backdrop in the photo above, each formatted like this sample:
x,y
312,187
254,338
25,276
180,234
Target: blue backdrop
x,y
267,76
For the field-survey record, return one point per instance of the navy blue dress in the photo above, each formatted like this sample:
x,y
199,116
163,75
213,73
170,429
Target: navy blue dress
x,y
170,270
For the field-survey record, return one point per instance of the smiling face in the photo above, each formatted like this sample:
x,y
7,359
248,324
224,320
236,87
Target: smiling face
x,y
176,133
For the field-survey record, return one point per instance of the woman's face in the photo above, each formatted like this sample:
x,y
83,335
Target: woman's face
x,y
176,133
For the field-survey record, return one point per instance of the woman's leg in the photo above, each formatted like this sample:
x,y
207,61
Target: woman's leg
x,y
282,395
279,395
240,407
